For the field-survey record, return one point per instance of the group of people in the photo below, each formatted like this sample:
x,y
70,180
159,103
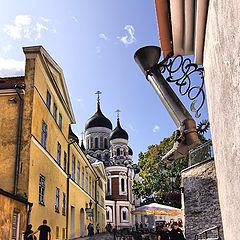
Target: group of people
x,y
172,232
44,232
90,229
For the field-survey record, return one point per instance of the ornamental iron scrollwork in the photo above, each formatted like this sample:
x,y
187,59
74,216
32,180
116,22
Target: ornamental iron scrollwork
x,y
183,72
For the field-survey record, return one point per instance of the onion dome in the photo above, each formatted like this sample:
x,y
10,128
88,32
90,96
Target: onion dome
x,y
98,120
118,132
130,151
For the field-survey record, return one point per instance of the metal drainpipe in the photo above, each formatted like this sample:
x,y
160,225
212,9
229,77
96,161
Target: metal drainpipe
x,y
96,202
19,134
68,179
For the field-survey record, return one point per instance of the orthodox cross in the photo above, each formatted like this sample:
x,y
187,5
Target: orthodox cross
x,y
98,96
118,113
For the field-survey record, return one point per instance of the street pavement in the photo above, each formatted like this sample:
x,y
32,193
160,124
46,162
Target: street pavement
x,y
102,236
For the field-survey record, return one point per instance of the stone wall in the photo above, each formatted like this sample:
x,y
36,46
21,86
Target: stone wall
x,y
201,204
7,207
222,78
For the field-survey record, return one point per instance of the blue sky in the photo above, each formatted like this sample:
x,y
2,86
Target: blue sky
x,y
93,41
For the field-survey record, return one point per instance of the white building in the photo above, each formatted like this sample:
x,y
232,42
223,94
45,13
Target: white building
x,y
111,147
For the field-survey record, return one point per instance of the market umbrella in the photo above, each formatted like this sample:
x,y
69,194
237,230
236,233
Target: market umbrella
x,y
157,209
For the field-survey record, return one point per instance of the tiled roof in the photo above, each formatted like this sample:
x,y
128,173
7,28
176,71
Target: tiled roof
x,y
12,82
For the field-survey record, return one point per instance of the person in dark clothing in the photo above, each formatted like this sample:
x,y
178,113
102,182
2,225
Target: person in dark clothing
x,y
89,228
27,233
176,233
45,231
164,233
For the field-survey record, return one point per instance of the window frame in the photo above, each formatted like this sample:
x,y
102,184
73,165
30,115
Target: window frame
x,y
41,190
57,199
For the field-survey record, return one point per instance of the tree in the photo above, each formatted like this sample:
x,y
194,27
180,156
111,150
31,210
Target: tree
x,y
160,181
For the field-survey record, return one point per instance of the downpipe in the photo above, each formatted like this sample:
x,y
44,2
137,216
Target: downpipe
x,y
186,136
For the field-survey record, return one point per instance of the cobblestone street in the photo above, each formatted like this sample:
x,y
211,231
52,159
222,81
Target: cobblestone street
x,y
104,236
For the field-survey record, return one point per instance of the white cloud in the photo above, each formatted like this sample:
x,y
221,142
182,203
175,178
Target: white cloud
x,y
103,36
45,19
98,50
24,26
129,38
6,49
11,67
156,128
75,19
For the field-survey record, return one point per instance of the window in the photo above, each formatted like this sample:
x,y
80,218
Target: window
x,y
106,156
87,143
101,142
63,233
93,189
15,225
102,201
57,198
91,142
123,185
109,214
83,177
108,186
57,232
105,143
78,173
44,134
59,153
48,100
124,214
90,186
55,111
64,204
86,182
100,183
60,121
73,168
118,151
41,189
96,142
65,161
99,156
97,196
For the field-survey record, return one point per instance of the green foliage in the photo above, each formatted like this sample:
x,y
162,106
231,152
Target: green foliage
x,y
160,181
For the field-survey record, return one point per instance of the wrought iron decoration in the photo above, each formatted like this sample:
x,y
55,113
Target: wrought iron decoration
x,y
183,72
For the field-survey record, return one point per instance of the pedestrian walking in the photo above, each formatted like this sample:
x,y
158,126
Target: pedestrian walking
x,y
136,226
89,228
164,233
28,232
45,231
97,228
176,233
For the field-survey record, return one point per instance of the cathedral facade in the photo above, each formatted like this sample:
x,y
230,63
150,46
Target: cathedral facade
x,y
110,146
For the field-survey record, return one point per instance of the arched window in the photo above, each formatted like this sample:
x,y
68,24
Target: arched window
x,y
106,156
124,214
109,214
118,151
123,185
105,143
99,156
96,142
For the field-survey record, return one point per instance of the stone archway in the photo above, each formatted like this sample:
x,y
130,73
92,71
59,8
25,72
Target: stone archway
x,y
82,222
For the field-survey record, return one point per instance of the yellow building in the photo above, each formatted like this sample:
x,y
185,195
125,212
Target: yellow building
x,y
41,159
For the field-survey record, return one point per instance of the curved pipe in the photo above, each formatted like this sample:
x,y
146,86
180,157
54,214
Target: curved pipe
x,y
186,138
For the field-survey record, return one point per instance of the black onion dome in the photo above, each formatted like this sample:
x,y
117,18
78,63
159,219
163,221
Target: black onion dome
x,y
118,132
98,120
130,151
